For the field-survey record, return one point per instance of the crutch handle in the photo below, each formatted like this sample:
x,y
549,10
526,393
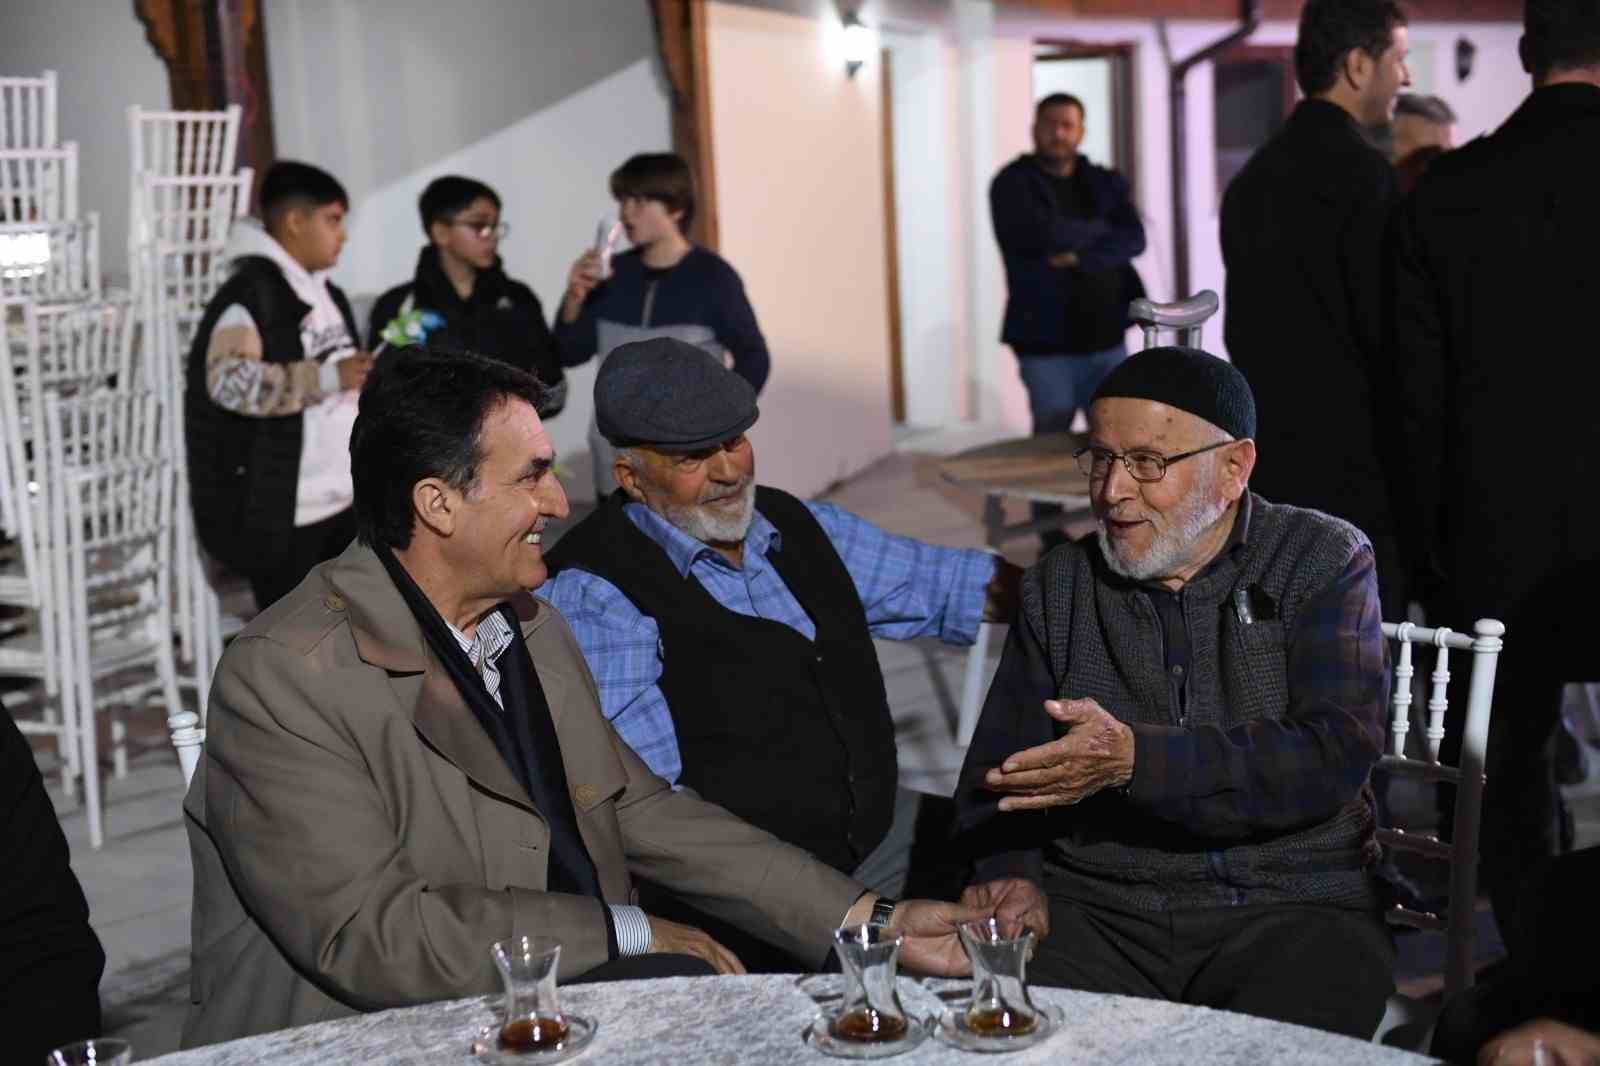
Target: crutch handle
x,y
1185,317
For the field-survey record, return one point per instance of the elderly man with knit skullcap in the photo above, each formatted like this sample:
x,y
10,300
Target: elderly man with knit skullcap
x,y
1169,780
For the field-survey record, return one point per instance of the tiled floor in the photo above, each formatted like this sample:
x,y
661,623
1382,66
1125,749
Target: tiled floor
x,y
139,884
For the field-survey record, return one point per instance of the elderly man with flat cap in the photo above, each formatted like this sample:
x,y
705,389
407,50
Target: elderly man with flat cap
x,y
730,626
1170,774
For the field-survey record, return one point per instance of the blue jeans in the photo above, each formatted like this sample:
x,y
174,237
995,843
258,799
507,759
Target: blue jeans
x,y
1058,385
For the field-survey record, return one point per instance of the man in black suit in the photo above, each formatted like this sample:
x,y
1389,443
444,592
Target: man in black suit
x,y
1493,277
1302,239
50,960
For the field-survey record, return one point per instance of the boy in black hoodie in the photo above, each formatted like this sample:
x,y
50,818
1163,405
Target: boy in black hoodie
x,y
462,282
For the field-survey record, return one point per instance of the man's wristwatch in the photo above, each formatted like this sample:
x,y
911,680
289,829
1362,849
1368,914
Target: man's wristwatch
x,y
882,911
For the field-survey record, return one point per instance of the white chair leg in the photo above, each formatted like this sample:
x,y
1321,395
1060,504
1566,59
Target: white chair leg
x,y
972,686
91,774
119,743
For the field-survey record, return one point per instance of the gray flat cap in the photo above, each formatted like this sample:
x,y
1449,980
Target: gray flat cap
x,y
669,395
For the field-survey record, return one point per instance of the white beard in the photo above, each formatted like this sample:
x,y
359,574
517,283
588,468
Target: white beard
x,y
716,526
1171,544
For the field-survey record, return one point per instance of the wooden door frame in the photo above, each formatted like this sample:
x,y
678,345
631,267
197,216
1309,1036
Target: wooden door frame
x,y
891,226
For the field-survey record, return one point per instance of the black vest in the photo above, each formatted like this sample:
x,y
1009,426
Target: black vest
x,y
244,472
791,735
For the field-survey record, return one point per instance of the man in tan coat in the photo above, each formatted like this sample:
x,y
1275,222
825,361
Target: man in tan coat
x,y
392,780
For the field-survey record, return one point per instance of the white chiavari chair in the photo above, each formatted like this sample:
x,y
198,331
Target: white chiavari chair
x,y
51,262
112,516
39,184
28,111
189,220
63,349
174,144
1461,852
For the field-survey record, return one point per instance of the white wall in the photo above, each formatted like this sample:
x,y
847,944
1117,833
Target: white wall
x,y
103,64
797,152
541,100
927,176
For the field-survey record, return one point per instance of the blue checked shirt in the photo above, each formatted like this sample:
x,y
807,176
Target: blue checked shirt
x,y
908,588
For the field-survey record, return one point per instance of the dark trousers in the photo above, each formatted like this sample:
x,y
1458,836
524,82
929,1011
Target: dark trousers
x,y
1326,967
308,546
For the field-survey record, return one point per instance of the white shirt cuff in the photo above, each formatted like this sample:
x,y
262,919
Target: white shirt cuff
x,y
633,929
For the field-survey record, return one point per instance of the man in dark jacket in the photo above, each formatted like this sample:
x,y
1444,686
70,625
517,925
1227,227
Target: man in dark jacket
x,y
1169,779
50,960
1068,232
460,279
1493,274
1302,239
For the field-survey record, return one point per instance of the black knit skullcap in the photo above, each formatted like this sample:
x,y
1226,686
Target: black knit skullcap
x,y
1190,380
669,395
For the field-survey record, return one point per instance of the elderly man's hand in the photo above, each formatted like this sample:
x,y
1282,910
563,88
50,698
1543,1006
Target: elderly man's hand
x,y
1096,753
1016,902
932,944
1562,1046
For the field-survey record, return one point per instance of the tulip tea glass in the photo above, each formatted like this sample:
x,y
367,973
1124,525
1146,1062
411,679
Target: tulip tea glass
x,y
1000,1004
533,1026
869,1021
92,1053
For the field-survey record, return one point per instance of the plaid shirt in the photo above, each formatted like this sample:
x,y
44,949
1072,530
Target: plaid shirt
x,y
1263,776
908,589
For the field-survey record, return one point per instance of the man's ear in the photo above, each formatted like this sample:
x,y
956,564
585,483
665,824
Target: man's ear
x,y
436,505
1238,460
438,231
628,479
1357,67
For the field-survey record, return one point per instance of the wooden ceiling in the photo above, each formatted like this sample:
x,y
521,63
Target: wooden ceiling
x,y
1417,10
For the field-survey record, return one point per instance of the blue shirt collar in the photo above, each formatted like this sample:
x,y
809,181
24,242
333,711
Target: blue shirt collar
x,y
683,550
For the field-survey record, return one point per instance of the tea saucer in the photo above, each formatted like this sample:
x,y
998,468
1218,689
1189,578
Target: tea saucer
x,y
819,1034
580,1033
950,1027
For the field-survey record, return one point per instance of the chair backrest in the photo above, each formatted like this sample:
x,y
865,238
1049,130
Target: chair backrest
x,y
1461,853
28,111
51,262
39,184
111,513
175,144
75,347
1187,318
183,143
186,222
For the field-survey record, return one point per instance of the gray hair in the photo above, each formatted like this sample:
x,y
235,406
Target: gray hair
x,y
1423,106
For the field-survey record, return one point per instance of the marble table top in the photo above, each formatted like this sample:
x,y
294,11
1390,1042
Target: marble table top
x,y
761,1019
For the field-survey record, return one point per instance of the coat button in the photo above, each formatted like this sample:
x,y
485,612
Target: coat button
x,y
333,602
584,794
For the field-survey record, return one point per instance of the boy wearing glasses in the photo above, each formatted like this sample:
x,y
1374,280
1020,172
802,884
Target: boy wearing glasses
x,y
664,286
460,295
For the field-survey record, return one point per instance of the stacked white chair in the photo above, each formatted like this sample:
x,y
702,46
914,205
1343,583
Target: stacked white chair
x,y
28,111
65,349
111,517
1412,1017
185,196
